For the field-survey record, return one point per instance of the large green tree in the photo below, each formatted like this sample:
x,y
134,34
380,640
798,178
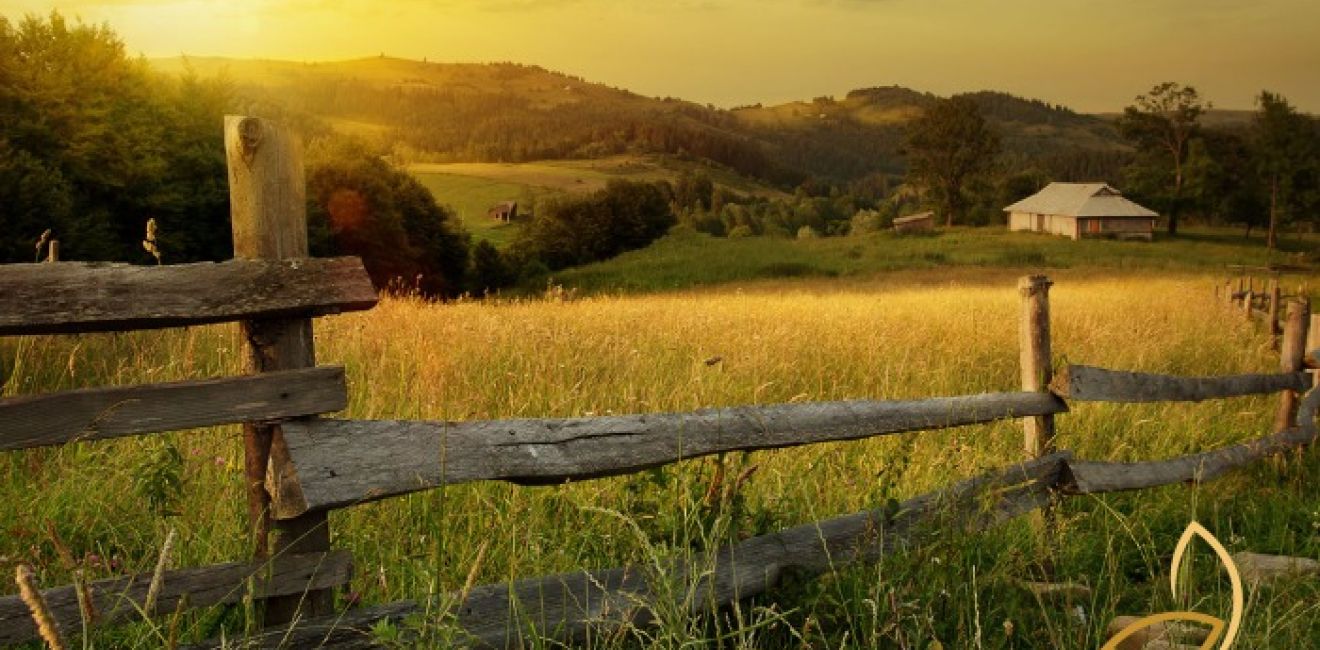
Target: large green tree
x,y
1221,179
359,205
1286,147
947,146
92,145
1161,124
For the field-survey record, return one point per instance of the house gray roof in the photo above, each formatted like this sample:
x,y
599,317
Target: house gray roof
x,y
1080,200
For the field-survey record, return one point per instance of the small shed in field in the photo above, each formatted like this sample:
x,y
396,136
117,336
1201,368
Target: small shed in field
x,y
505,211
1078,210
920,222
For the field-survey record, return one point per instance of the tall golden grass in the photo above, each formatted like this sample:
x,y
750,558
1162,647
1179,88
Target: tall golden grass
x,y
903,335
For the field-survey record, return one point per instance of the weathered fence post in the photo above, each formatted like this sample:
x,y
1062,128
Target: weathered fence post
x,y
1313,334
53,254
1275,295
1293,349
1034,359
1246,304
269,214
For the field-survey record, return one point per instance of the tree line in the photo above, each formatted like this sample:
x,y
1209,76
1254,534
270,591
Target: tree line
x,y
94,146
1266,173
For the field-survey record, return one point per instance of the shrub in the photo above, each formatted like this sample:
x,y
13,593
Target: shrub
x,y
866,222
577,230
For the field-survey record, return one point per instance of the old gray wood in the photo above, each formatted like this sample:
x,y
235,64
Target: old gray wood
x,y
1090,384
1089,477
1292,352
100,413
90,297
122,599
269,222
1258,567
1034,359
335,463
573,607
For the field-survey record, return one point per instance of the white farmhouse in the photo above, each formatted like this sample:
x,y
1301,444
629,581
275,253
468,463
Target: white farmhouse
x,y
1080,210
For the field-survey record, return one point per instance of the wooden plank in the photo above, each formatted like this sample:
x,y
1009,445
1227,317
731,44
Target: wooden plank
x,y
1090,384
1088,477
1258,567
122,599
336,463
268,215
1167,634
100,413
91,297
572,607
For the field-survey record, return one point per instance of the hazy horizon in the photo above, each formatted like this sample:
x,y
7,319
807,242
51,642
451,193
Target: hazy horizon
x,y
1091,56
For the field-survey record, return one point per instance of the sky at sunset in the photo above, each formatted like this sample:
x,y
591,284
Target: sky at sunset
x,y
1090,55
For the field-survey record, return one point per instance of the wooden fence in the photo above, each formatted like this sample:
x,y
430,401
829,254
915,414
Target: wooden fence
x,y
300,466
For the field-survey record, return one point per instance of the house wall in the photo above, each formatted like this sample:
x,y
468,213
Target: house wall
x,y
1079,227
1061,225
1020,221
1121,227
1127,225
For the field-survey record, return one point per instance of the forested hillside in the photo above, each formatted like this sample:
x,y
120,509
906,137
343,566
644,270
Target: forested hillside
x,y
505,112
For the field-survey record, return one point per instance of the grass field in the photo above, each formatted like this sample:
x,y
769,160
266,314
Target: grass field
x,y
472,196
471,188
919,332
685,259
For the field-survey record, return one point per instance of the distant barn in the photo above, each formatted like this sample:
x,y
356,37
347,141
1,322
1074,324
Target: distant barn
x,y
1080,210
505,211
920,222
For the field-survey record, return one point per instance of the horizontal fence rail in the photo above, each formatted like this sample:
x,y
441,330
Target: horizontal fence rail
x,y
100,413
573,604
1090,384
337,463
1091,477
71,297
570,606
123,599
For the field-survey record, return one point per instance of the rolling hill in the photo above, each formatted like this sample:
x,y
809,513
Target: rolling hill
x,y
504,112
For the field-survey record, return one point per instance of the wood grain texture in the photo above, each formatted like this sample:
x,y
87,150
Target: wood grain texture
x,y
1292,353
574,607
1258,567
73,297
100,413
121,599
335,463
268,214
1035,360
1090,384
1090,477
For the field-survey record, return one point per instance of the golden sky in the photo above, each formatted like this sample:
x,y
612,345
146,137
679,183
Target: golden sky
x,y
1087,54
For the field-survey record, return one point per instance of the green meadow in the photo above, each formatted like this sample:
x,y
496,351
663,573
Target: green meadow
x,y
105,508
686,259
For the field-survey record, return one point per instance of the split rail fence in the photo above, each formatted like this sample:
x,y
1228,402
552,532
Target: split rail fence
x,y
299,466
